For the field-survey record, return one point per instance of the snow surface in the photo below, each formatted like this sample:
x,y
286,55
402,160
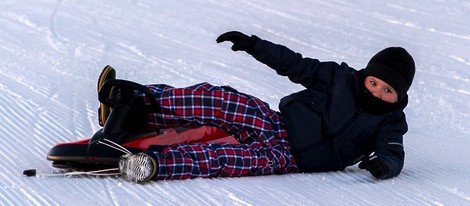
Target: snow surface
x,y
52,51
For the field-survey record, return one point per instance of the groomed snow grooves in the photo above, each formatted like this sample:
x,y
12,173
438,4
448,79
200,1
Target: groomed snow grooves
x,y
52,51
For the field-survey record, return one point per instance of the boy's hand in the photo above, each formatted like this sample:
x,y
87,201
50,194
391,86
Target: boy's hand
x,y
375,166
241,42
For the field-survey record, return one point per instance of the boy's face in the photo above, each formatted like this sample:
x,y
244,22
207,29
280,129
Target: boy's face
x,y
380,89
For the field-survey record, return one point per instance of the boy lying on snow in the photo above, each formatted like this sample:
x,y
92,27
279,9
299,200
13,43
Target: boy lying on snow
x,y
341,118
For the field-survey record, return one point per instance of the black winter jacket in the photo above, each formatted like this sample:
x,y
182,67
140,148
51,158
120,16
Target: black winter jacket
x,y
326,126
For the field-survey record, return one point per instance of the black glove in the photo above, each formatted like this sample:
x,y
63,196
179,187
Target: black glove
x,y
375,166
241,42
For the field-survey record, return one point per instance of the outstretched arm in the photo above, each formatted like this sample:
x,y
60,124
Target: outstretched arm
x,y
302,70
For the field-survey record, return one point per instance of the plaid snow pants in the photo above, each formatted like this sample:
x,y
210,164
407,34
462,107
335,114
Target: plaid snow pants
x,y
263,147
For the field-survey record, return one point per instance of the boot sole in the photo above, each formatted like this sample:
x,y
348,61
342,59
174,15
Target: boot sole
x,y
104,110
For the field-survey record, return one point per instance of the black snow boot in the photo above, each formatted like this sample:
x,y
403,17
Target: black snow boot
x,y
128,113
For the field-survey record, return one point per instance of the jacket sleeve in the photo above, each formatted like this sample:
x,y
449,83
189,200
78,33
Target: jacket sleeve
x,y
304,71
389,145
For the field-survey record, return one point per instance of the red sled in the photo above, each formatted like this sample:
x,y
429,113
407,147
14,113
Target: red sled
x,y
79,155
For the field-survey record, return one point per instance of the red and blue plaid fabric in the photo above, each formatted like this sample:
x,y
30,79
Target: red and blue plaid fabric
x,y
263,147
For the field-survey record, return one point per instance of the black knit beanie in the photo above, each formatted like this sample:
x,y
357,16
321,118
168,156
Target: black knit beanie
x,y
395,66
